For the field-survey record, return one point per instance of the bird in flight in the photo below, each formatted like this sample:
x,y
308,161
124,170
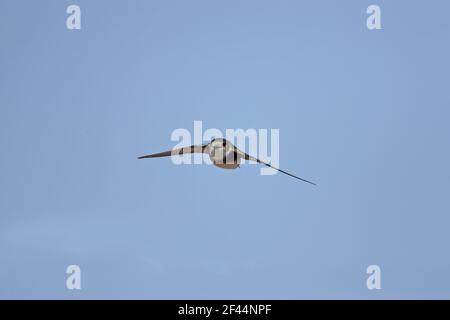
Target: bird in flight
x,y
222,153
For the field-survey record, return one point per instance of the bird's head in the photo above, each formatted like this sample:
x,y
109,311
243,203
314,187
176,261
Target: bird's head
x,y
220,143
220,148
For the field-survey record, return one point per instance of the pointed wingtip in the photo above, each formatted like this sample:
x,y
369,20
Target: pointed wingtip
x,y
304,180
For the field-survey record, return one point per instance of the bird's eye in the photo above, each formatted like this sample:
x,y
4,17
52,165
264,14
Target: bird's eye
x,y
224,143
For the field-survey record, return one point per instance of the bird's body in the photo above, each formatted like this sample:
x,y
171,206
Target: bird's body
x,y
222,154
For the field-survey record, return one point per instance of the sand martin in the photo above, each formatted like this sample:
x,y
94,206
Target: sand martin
x,y
222,153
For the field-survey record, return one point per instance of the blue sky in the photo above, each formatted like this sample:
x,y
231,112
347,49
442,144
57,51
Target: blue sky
x,y
363,113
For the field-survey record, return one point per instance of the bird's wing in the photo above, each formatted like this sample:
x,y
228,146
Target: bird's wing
x,y
178,151
249,157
